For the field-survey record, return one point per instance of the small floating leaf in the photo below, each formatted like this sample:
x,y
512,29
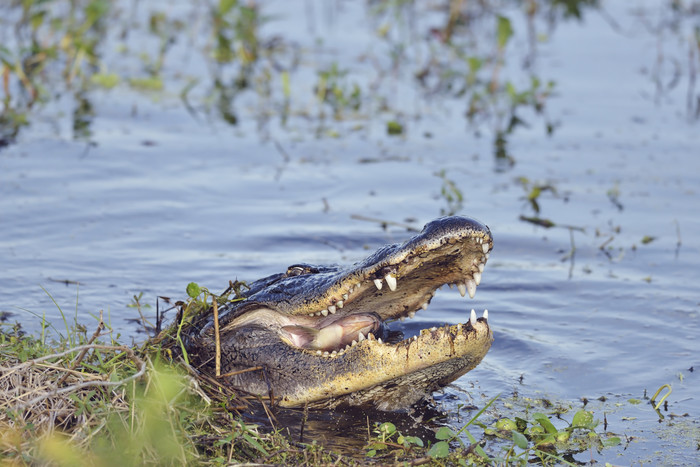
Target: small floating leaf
x,y
647,239
394,128
504,31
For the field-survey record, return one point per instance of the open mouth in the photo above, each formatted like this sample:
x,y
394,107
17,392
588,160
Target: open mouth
x,y
356,304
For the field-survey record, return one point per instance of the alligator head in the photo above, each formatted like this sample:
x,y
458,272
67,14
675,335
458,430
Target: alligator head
x,y
318,335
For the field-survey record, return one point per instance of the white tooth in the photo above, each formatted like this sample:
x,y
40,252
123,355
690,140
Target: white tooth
x,y
471,288
462,287
332,309
390,281
345,296
370,336
450,285
402,318
424,306
360,337
378,283
318,352
472,318
415,338
334,353
485,247
324,312
486,315
481,267
459,326
379,340
326,353
340,304
487,255
477,278
433,329
354,342
411,314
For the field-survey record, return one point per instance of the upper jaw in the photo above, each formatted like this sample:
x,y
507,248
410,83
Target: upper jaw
x,y
406,279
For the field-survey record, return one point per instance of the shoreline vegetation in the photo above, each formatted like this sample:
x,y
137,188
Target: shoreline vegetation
x,y
81,398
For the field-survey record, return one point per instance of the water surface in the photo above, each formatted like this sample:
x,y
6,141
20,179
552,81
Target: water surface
x,y
158,196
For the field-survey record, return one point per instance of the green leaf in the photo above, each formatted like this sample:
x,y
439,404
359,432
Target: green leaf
x,y
612,441
543,420
226,5
583,419
147,84
253,442
193,289
394,128
105,80
519,439
439,449
504,31
387,428
444,433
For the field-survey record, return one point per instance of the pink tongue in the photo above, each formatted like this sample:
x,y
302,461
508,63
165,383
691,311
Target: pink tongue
x,y
335,336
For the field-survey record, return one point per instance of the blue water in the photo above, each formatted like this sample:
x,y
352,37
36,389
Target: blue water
x,y
157,198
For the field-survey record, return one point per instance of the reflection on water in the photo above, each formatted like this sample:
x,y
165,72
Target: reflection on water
x,y
278,152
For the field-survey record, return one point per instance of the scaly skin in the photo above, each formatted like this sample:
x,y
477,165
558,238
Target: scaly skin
x,y
295,325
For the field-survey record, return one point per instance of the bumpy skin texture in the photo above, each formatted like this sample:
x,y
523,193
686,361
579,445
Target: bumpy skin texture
x,y
383,371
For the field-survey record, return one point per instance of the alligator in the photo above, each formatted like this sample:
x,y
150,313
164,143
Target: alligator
x,y
319,336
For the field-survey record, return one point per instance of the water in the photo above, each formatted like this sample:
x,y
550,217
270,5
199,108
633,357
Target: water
x,y
156,198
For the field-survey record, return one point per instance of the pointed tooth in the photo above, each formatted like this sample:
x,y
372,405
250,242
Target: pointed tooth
x,y
415,338
354,342
481,267
486,315
402,318
318,352
334,353
462,287
424,305
472,318
459,326
433,329
378,283
324,312
360,337
411,314
345,296
485,247
339,304
487,255
325,354
390,281
370,336
332,309
450,285
477,278
471,288
379,340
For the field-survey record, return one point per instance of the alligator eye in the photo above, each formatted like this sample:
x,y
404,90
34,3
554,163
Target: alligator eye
x,y
295,271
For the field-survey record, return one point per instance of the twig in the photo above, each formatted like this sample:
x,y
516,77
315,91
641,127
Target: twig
x,y
384,223
217,338
76,362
